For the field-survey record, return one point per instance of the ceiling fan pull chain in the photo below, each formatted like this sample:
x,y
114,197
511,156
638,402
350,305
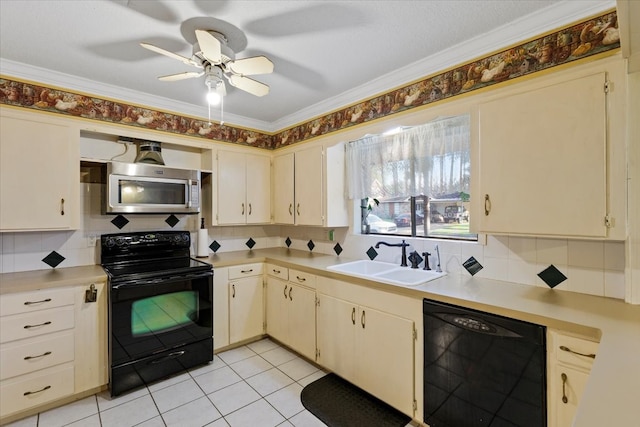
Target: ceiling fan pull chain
x,y
222,111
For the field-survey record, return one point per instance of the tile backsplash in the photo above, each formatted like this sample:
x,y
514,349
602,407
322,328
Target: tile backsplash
x,y
591,267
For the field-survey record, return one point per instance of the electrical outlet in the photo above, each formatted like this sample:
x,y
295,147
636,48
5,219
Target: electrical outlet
x,y
91,241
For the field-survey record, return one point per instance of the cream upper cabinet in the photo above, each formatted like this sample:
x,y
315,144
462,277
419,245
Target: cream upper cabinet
x,y
569,363
546,154
308,187
39,174
244,192
283,189
368,347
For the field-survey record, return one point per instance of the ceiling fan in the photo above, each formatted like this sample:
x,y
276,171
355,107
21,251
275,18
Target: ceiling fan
x,y
216,59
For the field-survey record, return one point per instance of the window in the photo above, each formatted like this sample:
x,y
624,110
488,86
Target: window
x,y
414,182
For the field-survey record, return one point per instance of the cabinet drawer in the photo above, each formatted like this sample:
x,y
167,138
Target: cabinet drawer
x,y
302,278
240,271
26,302
567,349
41,322
277,271
21,393
26,356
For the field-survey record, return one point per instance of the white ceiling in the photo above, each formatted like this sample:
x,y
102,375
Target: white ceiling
x,y
327,54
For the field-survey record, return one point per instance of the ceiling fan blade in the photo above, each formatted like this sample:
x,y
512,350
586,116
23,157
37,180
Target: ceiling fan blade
x,y
210,47
161,51
249,85
180,76
250,66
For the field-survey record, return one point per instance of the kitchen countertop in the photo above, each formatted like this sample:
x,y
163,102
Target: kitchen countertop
x,y
610,397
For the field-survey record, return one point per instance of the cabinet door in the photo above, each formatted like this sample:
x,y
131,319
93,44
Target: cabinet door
x,y
258,186
335,334
384,358
542,161
283,189
232,186
39,175
277,305
308,186
571,386
221,308
246,312
91,338
302,320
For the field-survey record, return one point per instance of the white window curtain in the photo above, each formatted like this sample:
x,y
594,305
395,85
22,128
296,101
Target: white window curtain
x,y
432,160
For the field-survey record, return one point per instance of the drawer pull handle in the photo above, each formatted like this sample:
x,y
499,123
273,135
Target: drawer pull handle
x,y
27,393
564,382
35,357
290,208
242,209
290,298
285,291
567,349
246,271
168,357
301,279
276,271
35,326
37,302
61,206
487,205
233,288
353,315
362,319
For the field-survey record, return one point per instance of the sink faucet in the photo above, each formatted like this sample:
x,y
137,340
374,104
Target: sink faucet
x,y
403,245
438,269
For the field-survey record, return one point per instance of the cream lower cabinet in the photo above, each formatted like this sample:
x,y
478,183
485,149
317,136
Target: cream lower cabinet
x,y
372,349
39,174
53,345
220,308
246,302
570,359
290,309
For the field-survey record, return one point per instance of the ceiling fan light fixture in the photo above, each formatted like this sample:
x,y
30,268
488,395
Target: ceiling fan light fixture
x,y
214,95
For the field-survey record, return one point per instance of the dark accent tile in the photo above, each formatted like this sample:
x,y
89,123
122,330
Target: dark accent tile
x,y
120,221
311,245
288,242
372,253
472,266
552,276
415,256
250,243
337,249
172,220
53,259
214,246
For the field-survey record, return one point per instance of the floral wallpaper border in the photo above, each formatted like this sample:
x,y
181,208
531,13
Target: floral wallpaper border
x,y
590,37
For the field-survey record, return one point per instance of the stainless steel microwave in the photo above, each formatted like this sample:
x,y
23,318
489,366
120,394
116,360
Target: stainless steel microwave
x,y
139,188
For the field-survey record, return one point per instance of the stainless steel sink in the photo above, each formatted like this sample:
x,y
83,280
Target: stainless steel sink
x,y
386,272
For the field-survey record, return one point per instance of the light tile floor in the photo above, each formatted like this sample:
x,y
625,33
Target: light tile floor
x,y
257,385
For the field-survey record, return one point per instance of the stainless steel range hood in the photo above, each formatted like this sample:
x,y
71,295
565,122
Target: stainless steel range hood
x,y
149,152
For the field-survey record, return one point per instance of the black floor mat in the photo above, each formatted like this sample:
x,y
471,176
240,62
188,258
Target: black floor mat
x,y
339,403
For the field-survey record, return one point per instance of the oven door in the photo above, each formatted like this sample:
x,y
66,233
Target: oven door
x,y
159,327
158,314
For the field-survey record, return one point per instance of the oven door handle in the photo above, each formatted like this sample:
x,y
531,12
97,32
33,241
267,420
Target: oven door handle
x,y
156,280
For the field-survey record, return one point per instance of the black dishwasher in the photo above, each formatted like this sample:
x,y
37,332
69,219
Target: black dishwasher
x,y
482,369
